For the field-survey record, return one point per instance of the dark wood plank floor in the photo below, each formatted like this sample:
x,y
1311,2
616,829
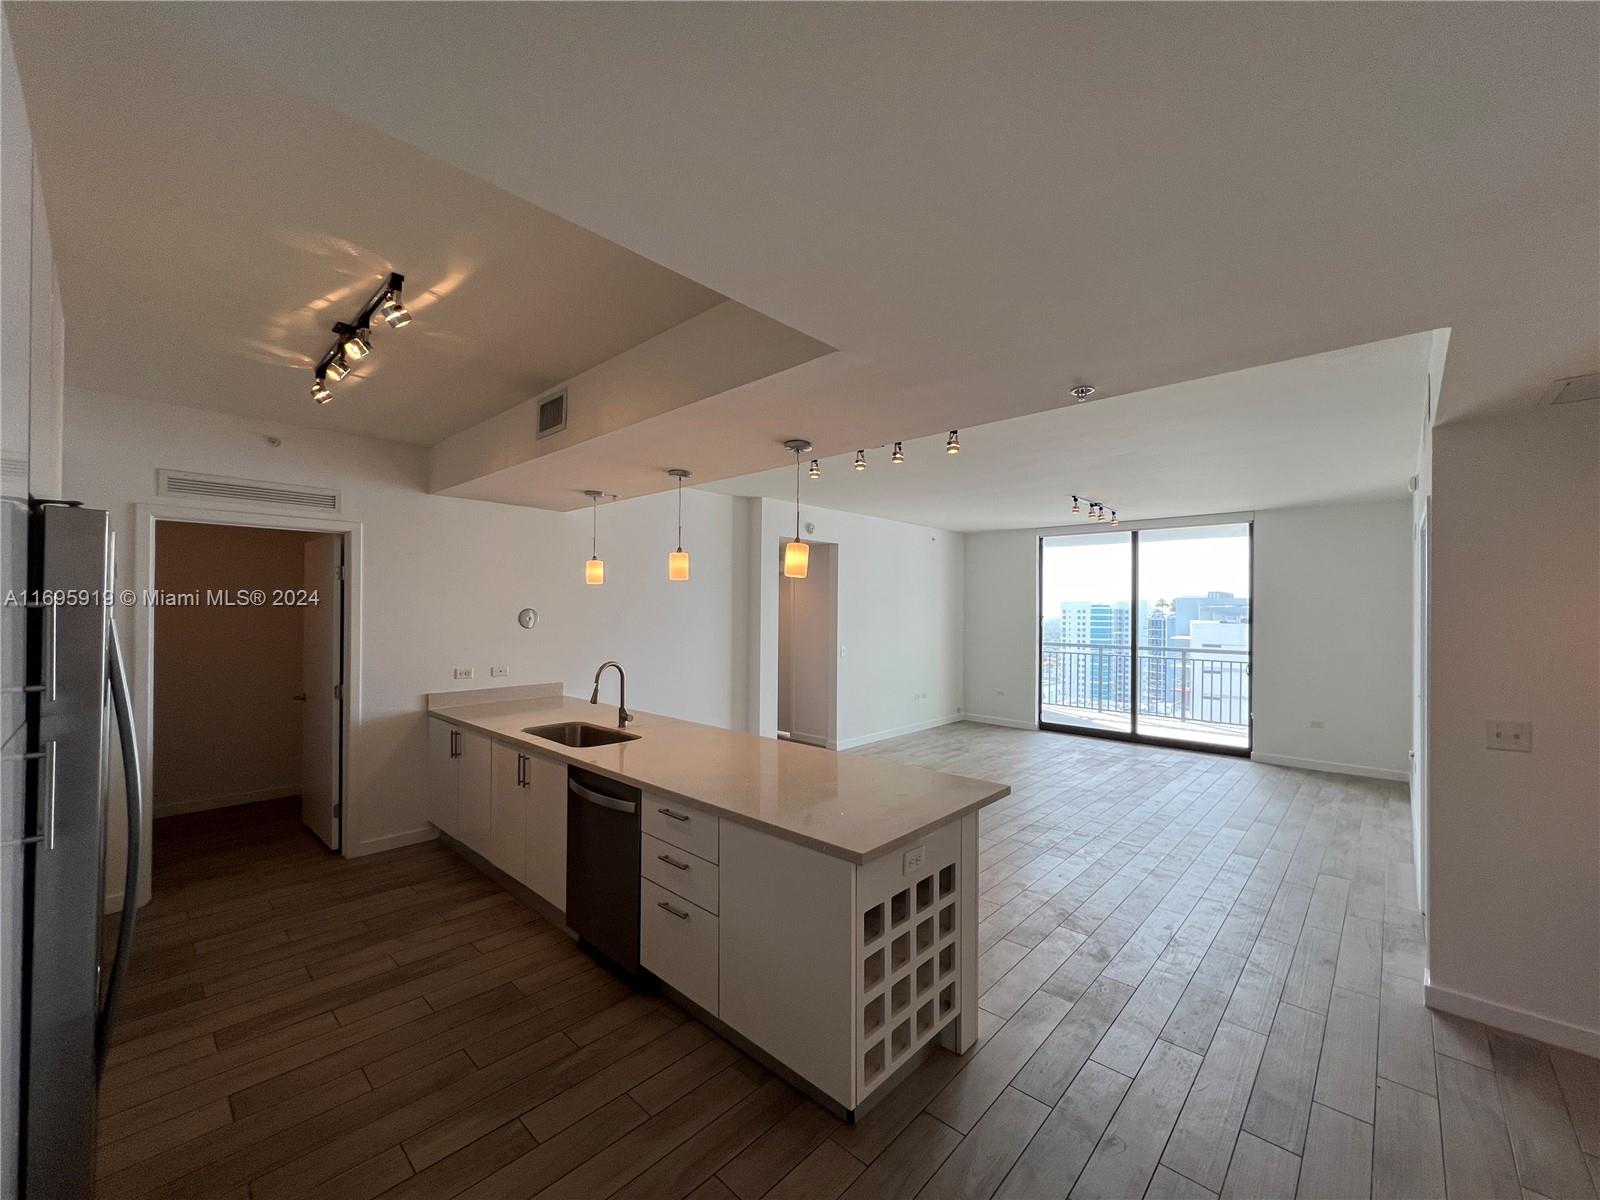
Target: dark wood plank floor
x,y
1199,976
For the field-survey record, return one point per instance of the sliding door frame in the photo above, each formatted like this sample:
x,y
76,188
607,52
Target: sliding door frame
x,y
1132,734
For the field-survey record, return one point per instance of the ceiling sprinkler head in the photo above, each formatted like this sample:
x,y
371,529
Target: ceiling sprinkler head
x,y
1082,392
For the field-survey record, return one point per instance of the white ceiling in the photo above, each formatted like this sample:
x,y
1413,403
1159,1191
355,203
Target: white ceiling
x,y
1337,426
979,205
211,227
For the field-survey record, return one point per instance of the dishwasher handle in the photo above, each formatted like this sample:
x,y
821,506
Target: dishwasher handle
x,y
583,793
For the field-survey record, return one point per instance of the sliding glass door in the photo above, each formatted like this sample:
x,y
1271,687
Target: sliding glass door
x,y
1085,632
1146,634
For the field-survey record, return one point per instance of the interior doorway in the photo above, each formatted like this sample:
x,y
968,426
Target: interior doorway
x,y
808,657
247,699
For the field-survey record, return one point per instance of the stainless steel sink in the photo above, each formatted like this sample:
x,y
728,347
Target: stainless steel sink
x,y
579,734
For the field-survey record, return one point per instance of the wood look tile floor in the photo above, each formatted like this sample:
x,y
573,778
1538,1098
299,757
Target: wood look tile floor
x,y
1200,977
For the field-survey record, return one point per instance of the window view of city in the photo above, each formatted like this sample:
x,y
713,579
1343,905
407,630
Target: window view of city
x,y
1186,676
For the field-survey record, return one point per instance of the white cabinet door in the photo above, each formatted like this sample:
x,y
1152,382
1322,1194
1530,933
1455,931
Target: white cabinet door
x,y
476,791
508,841
442,775
547,828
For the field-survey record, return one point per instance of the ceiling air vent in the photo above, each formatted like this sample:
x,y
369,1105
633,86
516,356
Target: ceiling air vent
x,y
1574,390
552,415
249,491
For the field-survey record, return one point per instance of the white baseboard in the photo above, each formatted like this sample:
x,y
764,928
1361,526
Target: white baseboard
x,y
1512,1019
392,841
1007,722
228,800
886,734
1332,768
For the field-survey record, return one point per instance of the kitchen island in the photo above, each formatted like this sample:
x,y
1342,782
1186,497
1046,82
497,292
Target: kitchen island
x,y
820,908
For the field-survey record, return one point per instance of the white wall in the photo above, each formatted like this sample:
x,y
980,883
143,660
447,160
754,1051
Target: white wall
x,y
1332,637
226,722
1002,628
1332,615
442,581
900,590
1514,839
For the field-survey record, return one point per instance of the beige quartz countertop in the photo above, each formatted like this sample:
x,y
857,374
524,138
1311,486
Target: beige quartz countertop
x,y
849,805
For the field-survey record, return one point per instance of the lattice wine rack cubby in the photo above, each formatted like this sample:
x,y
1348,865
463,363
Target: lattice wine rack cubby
x,y
908,955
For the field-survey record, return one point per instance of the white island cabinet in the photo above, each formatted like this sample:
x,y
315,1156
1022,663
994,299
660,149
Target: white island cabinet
x,y
818,908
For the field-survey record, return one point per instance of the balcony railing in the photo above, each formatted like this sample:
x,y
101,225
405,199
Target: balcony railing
x,y
1177,685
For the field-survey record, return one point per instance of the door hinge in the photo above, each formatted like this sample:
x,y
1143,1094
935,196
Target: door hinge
x,y
338,809
338,691
339,571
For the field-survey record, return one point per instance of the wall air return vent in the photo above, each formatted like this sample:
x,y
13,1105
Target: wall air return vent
x,y
552,415
246,491
1574,390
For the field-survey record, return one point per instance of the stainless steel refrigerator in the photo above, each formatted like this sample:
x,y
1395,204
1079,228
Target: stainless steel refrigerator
x,y
64,679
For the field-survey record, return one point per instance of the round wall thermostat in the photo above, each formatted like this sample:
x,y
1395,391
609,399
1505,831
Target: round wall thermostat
x,y
528,618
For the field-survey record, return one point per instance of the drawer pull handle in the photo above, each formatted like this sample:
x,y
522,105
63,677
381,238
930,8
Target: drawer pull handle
x,y
672,862
682,916
667,812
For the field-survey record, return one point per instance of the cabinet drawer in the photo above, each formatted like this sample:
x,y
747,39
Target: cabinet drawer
x,y
689,875
678,943
691,829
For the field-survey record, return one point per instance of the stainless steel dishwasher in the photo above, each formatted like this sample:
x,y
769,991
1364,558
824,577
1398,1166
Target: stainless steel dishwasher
x,y
603,866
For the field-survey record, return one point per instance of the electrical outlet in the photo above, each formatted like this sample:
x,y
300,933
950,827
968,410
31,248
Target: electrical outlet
x,y
499,672
915,858
1508,735
463,672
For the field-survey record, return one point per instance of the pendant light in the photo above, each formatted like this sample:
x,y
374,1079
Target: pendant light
x,y
678,560
898,456
594,571
952,444
861,460
796,554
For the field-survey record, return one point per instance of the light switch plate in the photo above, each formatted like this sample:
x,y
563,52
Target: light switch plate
x,y
915,857
499,672
463,672
1508,735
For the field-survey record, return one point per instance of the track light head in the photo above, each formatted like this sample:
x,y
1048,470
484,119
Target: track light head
x,y
353,342
861,460
337,368
320,392
395,313
898,456
816,469
1076,507
952,444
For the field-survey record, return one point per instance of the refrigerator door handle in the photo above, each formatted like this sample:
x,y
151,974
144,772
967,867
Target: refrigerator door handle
x,y
133,788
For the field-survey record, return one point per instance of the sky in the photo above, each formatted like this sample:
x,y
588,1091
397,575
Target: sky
x,y
1172,562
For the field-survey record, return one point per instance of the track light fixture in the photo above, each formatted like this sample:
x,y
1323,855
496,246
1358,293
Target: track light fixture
x,y
816,469
952,444
1096,510
353,339
898,456
861,460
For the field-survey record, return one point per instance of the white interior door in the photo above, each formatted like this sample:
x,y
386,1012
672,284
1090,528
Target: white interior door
x,y
322,663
